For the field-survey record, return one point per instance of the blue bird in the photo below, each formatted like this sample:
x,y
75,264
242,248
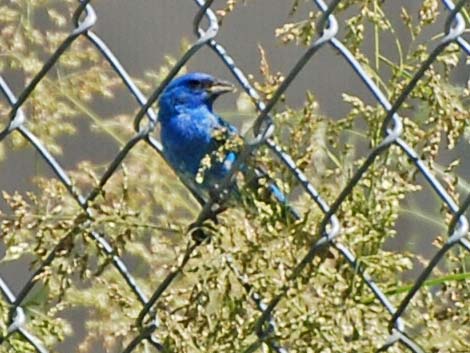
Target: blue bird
x,y
198,144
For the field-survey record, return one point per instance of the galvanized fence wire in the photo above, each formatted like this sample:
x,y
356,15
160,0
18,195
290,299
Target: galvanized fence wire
x,y
329,231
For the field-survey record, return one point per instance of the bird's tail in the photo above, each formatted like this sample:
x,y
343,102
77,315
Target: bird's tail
x,y
259,178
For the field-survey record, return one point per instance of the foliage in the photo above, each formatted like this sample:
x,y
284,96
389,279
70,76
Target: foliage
x,y
144,211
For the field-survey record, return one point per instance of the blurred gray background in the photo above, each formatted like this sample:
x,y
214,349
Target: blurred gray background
x,y
142,32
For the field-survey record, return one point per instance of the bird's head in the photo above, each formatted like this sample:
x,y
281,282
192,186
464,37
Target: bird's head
x,y
192,91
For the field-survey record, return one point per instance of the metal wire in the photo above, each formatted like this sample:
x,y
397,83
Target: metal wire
x,y
329,232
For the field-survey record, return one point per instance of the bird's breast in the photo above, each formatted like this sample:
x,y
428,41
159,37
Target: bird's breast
x,y
186,140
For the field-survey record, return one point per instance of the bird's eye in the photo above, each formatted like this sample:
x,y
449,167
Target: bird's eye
x,y
195,84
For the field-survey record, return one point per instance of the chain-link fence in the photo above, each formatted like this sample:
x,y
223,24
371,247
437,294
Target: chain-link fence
x,y
329,233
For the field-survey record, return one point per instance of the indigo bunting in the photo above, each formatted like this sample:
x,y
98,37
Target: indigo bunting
x,y
198,144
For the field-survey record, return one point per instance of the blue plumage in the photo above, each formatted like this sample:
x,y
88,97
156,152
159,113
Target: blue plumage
x,y
191,131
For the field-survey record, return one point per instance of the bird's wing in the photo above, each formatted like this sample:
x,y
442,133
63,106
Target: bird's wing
x,y
256,177
253,175
224,133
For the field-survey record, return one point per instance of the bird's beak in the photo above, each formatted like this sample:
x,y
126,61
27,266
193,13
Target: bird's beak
x,y
220,87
